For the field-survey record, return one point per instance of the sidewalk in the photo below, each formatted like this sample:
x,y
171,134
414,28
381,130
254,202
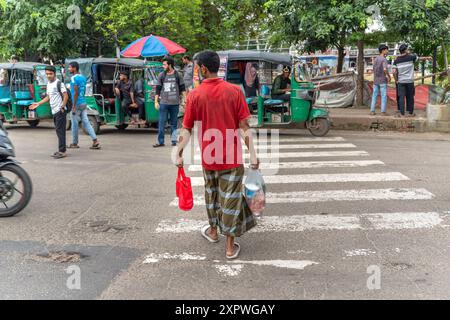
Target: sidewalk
x,y
360,119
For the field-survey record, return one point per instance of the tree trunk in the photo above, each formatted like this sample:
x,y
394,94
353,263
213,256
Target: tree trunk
x,y
360,78
444,52
423,71
340,62
433,80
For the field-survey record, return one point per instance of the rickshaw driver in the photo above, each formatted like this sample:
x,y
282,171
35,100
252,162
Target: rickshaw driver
x,y
281,85
125,93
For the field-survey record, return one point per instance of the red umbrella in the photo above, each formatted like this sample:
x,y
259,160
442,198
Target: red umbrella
x,y
151,46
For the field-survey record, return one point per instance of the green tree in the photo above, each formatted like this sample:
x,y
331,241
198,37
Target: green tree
x,y
322,24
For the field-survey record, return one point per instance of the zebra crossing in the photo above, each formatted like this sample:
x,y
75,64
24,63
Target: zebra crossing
x,y
292,172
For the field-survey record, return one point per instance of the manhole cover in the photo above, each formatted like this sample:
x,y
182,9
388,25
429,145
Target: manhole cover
x,y
59,256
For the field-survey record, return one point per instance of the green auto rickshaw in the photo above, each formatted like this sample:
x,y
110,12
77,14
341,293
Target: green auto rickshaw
x,y
266,110
102,75
22,84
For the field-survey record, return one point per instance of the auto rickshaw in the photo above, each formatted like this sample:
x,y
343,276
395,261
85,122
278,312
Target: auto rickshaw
x,y
267,111
102,74
22,84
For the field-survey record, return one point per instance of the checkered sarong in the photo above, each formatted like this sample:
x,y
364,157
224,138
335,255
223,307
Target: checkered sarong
x,y
225,203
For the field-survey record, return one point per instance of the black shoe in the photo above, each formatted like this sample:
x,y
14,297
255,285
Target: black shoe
x,y
174,144
158,145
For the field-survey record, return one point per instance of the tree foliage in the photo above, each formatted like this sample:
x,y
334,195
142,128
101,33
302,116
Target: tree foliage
x,y
37,28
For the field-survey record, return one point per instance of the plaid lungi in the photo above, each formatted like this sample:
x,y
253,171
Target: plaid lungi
x,y
225,203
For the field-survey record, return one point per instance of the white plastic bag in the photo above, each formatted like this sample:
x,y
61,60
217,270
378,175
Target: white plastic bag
x,y
255,192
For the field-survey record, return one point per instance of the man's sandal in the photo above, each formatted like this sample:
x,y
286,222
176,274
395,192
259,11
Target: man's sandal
x,y
207,236
73,146
236,252
95,146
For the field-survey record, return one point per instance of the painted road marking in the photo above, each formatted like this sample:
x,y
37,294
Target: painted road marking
x,y
304,154
320,178
337,195
299,223
309,165
263,146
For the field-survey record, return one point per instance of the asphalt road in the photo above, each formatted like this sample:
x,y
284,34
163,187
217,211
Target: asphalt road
x,y
361,215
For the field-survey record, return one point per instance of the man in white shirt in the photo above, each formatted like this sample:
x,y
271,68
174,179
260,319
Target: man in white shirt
x,y
57,96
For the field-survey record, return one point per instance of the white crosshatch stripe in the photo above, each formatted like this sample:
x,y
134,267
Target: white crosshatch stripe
x,y
269,146
323,178
337,195
309,165
299,223
305,154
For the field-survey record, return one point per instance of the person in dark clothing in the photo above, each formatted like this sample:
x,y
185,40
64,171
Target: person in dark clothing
x,y
281,85
140,99
403,70
125,92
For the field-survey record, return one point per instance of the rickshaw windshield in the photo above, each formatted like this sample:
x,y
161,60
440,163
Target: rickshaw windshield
x,y
151,74
41,77
301,72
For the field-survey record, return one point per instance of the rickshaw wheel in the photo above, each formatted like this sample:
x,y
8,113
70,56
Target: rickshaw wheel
x,y
319,127
122,126
33,123
95,125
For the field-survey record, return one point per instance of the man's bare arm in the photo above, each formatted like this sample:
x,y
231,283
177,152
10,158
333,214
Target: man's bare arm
x,y
246,134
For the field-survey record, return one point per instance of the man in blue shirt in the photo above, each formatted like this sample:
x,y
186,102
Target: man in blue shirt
x,y
77,90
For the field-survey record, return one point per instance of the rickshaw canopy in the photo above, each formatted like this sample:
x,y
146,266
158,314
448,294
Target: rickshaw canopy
x,y
86,64
26,66
234,55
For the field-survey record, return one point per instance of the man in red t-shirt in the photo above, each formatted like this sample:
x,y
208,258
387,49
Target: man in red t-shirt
x,y
222,113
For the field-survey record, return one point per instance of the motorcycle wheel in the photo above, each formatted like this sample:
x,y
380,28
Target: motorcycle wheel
x,y
15,190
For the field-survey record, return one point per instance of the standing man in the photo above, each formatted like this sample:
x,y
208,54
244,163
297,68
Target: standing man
x,y
77,90
281,85
380,80
169,90
57,95
125,93
188,73
221,109
139,98
403,70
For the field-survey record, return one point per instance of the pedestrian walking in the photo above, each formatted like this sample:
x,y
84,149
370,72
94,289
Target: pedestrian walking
x,y
403,70
79,107
170,89
222,112
57,96
188,73
380,80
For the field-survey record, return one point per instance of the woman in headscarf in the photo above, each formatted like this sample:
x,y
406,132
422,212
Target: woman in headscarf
x,y
251,81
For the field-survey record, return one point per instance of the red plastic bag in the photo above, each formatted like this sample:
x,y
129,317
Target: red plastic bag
x,y
184,191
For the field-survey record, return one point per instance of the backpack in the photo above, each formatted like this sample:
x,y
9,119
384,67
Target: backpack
x,y
68,107
177,78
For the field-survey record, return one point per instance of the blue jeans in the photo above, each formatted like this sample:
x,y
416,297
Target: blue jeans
x,y
166,110
376,90
81,112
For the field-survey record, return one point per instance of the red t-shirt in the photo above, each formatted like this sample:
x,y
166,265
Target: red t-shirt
x,y
219,106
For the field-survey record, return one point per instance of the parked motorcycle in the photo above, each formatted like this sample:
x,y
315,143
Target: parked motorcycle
x,y
15,183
